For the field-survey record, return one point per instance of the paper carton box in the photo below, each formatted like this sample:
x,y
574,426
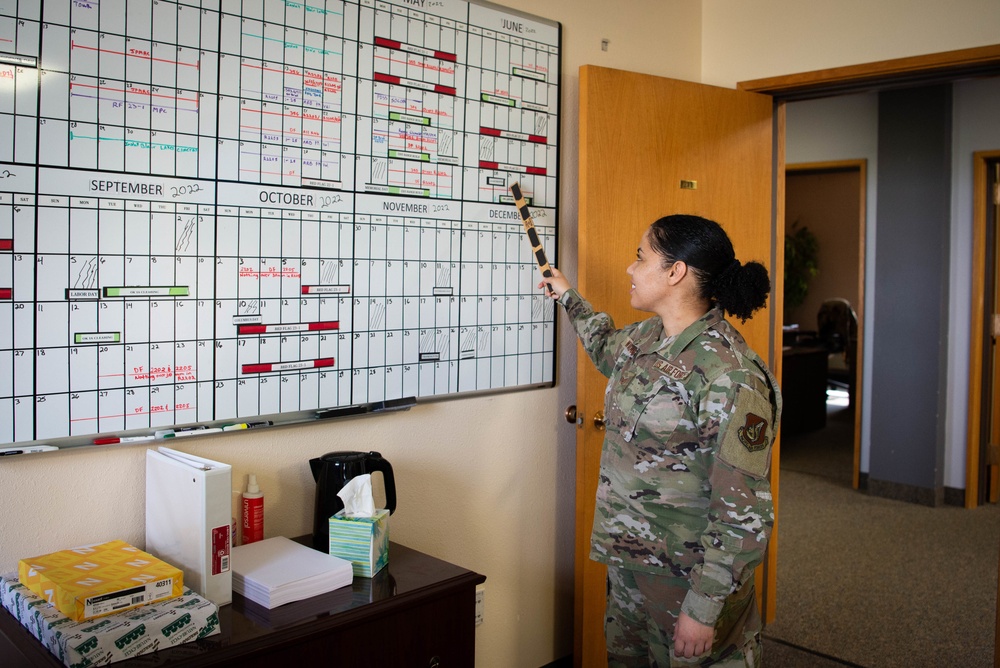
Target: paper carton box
x,y
113,637
97,580
363,541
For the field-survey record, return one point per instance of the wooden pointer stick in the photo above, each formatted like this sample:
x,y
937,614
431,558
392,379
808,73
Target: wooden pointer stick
x,y
529,227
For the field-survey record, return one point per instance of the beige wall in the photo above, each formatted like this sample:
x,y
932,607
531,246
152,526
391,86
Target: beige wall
x,y
484,482
752,39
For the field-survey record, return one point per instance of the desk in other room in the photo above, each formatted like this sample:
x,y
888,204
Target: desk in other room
x,y
803,389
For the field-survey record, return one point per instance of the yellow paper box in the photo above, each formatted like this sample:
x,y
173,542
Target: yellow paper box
x,y
97,580
363,541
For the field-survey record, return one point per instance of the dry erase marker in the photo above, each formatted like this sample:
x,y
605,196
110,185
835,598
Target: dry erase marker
x,y
27,450
262,423
196,432
110,440
234,427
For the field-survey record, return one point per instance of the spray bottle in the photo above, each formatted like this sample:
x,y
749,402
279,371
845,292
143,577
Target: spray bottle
x,y
253,512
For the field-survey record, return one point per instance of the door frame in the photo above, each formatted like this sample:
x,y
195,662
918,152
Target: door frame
x,y
942,67
861,166
977,343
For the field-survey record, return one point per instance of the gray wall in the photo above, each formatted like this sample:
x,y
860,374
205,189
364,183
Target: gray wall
x,y
910,310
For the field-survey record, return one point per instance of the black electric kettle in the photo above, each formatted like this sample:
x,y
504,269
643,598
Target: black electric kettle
x,y
334,470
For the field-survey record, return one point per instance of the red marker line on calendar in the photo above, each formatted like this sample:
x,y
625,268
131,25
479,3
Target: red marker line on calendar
x,y
488,164
326,289
294,327
507,134
6,244
6,294
419,50
286,366
413,83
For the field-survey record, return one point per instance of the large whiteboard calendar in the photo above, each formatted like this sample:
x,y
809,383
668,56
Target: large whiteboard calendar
x,y
219,210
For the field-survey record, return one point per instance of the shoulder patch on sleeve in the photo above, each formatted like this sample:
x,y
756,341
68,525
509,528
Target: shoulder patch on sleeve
x,y
746,443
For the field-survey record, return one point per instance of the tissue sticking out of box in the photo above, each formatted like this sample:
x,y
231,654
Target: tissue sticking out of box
x,y
357,497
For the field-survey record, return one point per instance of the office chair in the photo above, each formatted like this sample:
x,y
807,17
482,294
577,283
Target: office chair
x,y
837,331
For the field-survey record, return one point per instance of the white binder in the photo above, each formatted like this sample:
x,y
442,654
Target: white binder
x,y
189,519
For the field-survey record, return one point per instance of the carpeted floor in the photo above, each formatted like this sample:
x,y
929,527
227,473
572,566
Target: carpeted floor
x,y
865,581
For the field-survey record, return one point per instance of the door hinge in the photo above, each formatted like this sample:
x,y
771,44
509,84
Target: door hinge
x,y
993,454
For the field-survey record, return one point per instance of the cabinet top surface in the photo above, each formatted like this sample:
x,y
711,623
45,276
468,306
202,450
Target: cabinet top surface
x,y
409,578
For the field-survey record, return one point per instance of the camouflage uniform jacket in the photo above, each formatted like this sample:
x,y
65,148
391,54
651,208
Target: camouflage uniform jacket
x,y
690,419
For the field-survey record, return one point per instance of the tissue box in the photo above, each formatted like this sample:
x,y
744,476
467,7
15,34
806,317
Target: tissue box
x,y
96,580
363,541
114,637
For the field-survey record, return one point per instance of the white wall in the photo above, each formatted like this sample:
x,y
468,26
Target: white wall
x,y
844,128
753,39
484,482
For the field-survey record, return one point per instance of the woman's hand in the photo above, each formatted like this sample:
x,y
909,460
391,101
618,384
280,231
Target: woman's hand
x,y
692,638
555,285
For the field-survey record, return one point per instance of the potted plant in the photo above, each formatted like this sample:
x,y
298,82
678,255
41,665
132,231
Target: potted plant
x,y
801,265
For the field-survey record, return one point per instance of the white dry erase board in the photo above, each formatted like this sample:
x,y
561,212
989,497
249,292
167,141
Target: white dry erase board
x,y
219,210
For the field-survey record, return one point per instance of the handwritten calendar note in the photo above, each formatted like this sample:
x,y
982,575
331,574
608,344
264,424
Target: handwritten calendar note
x,y
220,210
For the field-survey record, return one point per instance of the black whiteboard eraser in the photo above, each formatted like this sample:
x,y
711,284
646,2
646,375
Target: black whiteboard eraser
x,y
345,411
402,404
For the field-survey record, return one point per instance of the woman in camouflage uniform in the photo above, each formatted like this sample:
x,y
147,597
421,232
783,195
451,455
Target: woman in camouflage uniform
x,y
683,507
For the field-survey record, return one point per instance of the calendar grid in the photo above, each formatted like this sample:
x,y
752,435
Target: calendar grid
x,y
218,210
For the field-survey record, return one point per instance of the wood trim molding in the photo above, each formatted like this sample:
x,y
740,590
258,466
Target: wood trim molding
x,y
767,573
925,69
977,323
859,362
826,166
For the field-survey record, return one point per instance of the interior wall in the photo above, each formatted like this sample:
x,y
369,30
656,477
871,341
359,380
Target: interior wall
x,y
485,482
910,310
743,40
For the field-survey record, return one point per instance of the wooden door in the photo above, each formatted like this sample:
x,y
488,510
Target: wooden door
x,y
649,147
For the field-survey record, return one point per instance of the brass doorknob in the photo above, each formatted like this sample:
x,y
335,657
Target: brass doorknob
x,y
599,420
571,414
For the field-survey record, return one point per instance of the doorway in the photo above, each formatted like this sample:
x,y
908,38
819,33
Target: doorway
x,y
934,68
827,203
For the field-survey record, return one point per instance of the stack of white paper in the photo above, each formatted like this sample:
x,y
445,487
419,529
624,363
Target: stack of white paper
x,y
278,570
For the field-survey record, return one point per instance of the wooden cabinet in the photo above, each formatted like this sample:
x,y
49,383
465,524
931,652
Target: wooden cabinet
x,y
418,611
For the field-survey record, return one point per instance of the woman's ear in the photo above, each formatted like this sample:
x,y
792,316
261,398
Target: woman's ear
x,y
677,272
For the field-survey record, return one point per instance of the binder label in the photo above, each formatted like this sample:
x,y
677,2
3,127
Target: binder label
x,y
220,549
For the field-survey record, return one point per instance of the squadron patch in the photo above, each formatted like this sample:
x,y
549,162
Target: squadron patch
x,y
747,437
753,433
